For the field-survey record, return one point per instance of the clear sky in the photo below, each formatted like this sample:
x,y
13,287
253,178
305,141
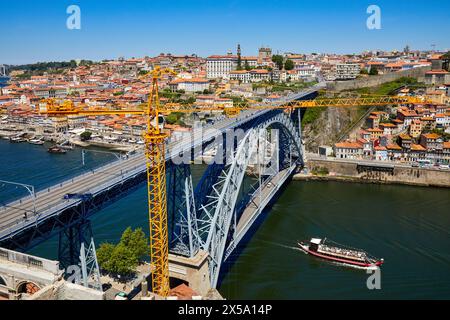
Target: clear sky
x,y
35,30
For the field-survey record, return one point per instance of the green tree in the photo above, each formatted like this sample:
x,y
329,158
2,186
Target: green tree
x,y
86,136
171,118
136,241
373,71
247,66
104,253
278,60
123,258
289,64
239,63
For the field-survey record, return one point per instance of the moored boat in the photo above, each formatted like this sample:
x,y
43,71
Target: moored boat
x,y
328,250
36,141
57,150
17,140
66,147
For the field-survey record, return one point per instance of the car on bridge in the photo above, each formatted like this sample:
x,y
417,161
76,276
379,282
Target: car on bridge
x,y
82,196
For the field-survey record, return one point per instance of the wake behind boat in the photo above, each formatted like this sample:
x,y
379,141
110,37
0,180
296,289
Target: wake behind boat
x,y
327,250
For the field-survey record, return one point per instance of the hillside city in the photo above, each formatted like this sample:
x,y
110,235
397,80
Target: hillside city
x,y
224,155
418,134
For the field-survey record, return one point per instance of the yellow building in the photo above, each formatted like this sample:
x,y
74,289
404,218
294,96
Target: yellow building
x,y
415,129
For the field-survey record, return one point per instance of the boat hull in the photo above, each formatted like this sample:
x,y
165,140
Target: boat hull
x,y
305,248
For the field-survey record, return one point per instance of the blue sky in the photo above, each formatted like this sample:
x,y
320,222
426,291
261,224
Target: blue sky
x,y
35,30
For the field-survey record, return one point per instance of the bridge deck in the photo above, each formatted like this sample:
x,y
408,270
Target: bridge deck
x,y
20,213
257,204
50,201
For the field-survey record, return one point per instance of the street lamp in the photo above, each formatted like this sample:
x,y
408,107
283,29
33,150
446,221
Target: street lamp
x,y
29,188
84,151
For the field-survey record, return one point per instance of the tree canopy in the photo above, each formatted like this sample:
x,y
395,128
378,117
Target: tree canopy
x,y
278,60
86,136
124,257
373,71
289,64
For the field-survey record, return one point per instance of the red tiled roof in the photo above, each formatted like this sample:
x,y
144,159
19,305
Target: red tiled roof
x,y
348,145
417,147
431,136
437,72
393,146
183,292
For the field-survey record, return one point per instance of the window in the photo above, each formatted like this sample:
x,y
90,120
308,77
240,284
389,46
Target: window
x,y
35,262
3,254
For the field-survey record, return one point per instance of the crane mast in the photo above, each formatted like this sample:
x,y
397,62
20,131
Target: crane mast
x,y
156,187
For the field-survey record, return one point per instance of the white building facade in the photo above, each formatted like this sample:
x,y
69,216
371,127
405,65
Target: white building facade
x,y
347,71
220,66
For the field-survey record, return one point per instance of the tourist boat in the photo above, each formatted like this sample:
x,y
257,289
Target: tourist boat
x,y
57,150
328,250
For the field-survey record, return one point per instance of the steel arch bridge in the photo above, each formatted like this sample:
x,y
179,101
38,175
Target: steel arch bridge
x,y
213,216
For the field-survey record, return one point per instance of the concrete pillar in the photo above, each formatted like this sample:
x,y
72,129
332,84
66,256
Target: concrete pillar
x,y
144,288
194,270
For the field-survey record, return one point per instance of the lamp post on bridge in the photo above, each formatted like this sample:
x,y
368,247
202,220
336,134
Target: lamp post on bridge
x,y
29,188
84,151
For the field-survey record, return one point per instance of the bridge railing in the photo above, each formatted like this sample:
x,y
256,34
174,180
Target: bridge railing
x,y
176,148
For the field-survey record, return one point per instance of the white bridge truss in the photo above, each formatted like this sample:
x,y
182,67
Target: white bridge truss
x,y
213,226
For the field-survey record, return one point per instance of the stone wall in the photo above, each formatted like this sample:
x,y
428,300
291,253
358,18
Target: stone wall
x,y
63,290
400,175
373,81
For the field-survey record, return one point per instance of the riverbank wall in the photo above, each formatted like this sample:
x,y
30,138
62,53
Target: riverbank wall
x,y
373,81
331,170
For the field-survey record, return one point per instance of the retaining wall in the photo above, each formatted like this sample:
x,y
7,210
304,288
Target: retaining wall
x,y
372,81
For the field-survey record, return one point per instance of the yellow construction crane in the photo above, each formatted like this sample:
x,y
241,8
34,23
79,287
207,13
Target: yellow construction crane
x,y
155,154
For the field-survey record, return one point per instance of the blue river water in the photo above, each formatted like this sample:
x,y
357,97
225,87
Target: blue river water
x,y
407,226
3,81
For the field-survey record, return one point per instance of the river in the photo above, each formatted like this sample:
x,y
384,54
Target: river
x,y
407,226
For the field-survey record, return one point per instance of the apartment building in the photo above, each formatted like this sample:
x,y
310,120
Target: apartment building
x,y
347,71
255,75
190,85
220,66
348,150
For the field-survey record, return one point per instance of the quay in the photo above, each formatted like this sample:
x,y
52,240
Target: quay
x,y
349,170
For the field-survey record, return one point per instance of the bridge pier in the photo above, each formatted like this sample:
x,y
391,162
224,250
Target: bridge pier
x,y
70,240
192,270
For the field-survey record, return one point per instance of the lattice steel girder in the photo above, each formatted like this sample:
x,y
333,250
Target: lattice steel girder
x,y
70,241
181,211
89,266
216,212
43,230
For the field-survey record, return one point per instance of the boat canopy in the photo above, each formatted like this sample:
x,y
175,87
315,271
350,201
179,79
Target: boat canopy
x,y
316,240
